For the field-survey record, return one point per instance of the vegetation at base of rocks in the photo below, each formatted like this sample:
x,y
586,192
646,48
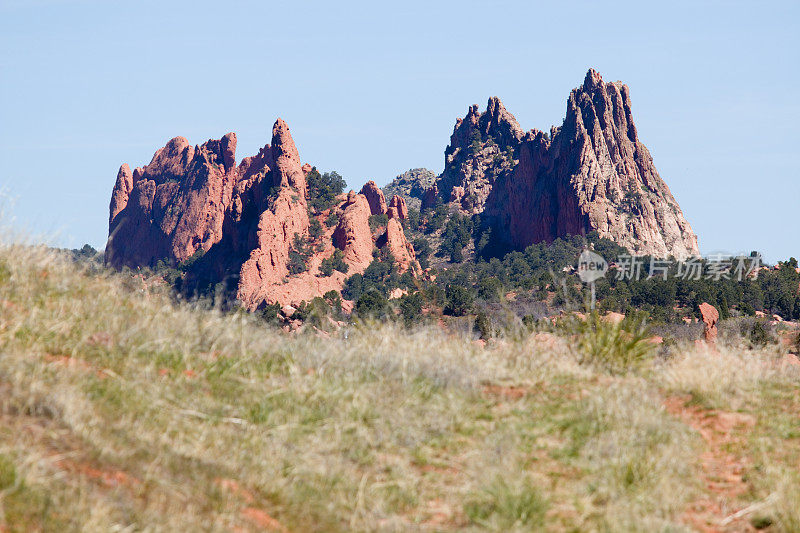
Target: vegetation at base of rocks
x,y
422,250
410,306
458,300
756,332
372,304
323,189
435,218
456,236
381,275
126,410
334,262
412,223
378,221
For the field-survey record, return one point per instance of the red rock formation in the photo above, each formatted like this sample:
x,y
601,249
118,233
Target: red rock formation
x,y
592,173
398,208
400,248
353,235
121,192
710,317
377,202
172,207
245,218
477,155
267,265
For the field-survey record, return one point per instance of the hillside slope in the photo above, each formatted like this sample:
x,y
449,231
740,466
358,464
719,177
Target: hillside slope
x,y
124,410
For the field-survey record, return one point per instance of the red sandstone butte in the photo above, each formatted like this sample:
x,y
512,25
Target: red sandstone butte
x,y
239,223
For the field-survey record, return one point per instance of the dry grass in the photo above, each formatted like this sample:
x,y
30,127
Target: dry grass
x,y
122,410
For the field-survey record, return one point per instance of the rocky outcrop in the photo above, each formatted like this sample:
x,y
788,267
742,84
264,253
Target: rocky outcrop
x,y
399,247
287,217
481,149
591,174
377,202
411,186
353,235
122,191
398,208
710,317
245,227
174,206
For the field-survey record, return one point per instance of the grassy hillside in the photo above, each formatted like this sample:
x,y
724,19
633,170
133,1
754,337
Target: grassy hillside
x,y
122,410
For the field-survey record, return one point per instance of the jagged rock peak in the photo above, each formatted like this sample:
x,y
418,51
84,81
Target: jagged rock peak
x,y
496,122
375,197
243,222
286,158
591,174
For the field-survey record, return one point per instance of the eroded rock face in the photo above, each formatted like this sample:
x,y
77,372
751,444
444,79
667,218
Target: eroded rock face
x,y
353,235
592,173
172,207
246,220
398,208
481,149
710,317
400,248
374,195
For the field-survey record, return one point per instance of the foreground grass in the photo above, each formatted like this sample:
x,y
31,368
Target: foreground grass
x,y
124,411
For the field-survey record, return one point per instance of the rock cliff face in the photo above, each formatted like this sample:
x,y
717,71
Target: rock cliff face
x,y
174,206
592,173
244,227
377,202
398,208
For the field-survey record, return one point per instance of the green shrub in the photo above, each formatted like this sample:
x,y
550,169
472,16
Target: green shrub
x,y
323,189
332,219
299,255
372,304
505,507
483,325
459,300
334,299
334,262
616,348
422,249
378,221
411,308
757,332
314,228
457,234
269,312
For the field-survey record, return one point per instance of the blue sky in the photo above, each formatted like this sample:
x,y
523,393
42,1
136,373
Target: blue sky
x,y
371,89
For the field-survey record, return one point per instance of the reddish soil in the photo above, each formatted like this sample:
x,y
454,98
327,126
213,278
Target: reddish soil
x,y
722,470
